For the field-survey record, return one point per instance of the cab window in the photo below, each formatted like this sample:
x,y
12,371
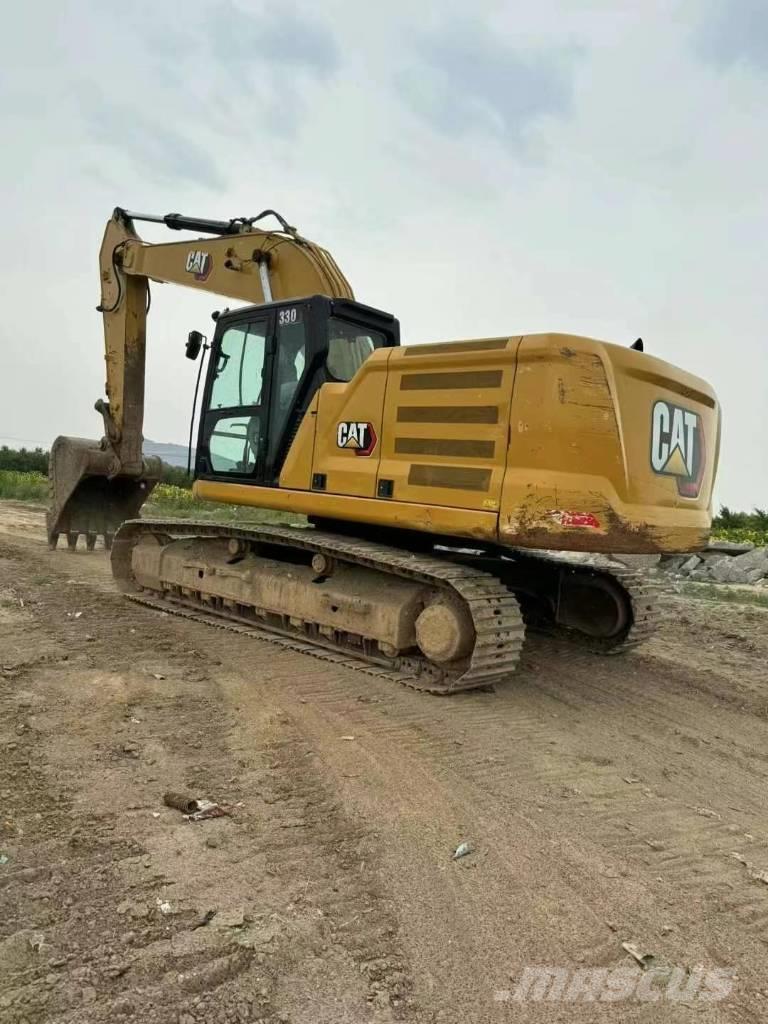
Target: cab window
x,y
290,362
237,378
234,420
349,345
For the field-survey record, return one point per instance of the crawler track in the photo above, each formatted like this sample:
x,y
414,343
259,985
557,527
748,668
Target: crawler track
x,y
498,626
640,591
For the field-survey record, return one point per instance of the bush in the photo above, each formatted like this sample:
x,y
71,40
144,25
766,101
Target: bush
x,y
741,526
23,486
176,477
741,534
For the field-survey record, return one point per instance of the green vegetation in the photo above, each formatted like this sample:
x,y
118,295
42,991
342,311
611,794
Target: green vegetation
x,y
179,503
167,501
23,461
718,592
23,486
741,526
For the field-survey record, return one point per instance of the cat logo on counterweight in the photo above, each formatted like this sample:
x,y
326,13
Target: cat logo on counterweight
x,y
677,446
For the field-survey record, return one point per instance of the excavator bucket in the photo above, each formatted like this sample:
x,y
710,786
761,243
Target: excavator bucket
x,y
89,495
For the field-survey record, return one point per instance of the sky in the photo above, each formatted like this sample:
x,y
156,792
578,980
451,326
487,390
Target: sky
x,y
597,168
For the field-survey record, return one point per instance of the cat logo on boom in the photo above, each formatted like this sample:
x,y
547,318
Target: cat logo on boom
x,y
677,446
360,437
199,263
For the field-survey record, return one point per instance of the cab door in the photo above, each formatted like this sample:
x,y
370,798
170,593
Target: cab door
x,y
258,383
235,417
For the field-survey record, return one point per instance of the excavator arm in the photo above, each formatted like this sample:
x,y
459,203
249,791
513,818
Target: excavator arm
x,y
96,485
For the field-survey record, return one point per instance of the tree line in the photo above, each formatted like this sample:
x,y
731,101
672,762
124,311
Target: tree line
x,y
726,519
35,460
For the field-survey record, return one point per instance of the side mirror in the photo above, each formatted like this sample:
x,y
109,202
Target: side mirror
x,y
194,343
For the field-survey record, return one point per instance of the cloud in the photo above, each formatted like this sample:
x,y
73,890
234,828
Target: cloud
x,y
467,80
272,57
282,40
647,216
225,73
159,151
735,33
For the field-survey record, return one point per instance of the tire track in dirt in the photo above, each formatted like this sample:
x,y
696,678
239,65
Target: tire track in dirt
x,y
537,771
323,944
668,826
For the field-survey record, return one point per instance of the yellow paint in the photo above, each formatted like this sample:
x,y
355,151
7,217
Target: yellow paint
x,y
372,511
297,267
407,416
568,426
297,468
347,472
586,448
503,438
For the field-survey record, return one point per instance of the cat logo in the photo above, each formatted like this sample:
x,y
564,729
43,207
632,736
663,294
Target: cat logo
x,y
359,437
677,446
199,263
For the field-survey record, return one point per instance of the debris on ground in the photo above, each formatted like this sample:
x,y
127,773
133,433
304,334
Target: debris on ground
x,y
757,874
644,959
180,802
196,808
462,850
207,917
208,809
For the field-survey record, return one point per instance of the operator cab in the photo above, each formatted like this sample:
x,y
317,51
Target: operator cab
x,y
266,363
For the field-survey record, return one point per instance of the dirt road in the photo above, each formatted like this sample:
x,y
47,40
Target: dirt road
x,y
606,800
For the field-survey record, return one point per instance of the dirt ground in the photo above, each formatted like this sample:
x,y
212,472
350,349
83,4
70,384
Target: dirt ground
x,y
605,800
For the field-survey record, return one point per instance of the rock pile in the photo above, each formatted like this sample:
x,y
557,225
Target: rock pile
x,y
721,562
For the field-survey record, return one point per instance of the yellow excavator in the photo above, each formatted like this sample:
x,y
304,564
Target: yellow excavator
x,y
444,484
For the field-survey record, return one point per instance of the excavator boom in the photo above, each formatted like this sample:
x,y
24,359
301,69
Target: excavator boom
x,y
96,485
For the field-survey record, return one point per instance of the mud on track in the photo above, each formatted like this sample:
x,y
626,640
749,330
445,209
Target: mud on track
x,y
605,799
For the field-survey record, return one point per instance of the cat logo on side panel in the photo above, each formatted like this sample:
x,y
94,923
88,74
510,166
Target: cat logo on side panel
x,y
357,436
